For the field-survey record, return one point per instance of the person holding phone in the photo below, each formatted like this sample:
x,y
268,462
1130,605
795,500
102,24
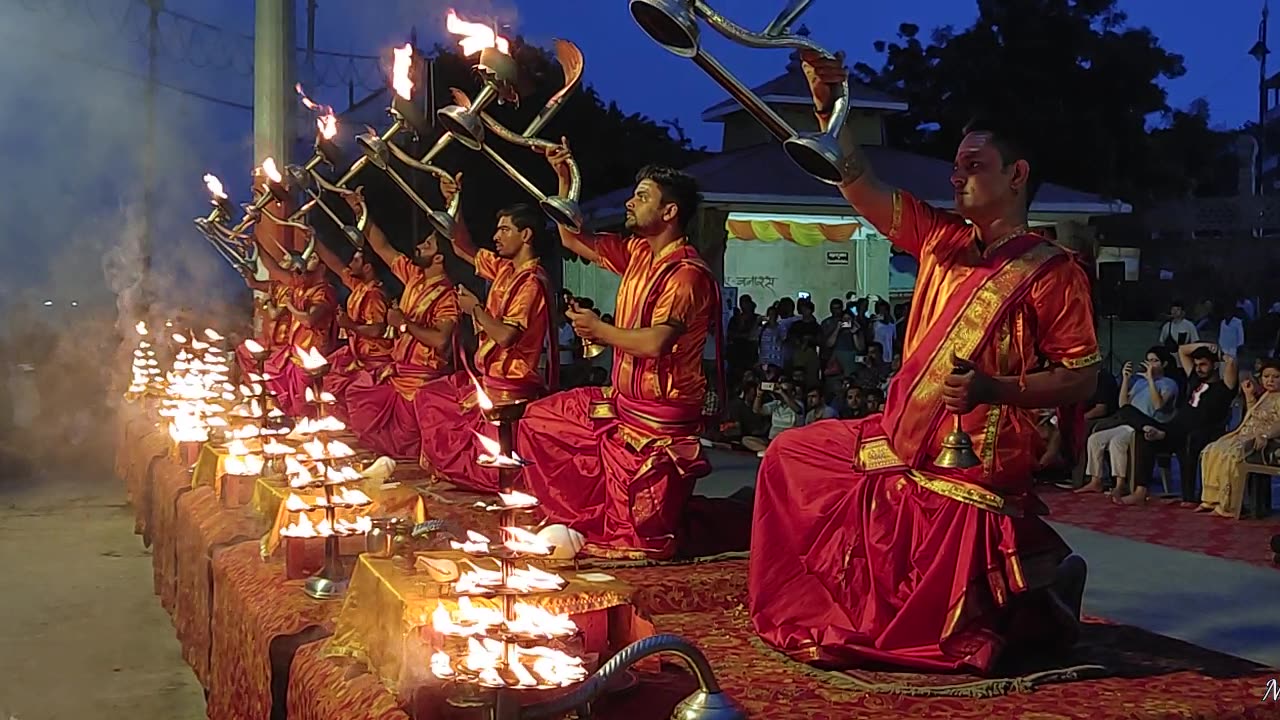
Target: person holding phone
x,y
779,402
1146,399
843,337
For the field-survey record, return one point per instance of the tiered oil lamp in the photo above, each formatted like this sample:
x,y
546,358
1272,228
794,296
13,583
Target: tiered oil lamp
x,y
500,456
316,366
147,379
326,467
492,652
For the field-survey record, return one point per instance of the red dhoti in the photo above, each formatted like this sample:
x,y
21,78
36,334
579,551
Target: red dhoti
x,y
380,409
344,369
287,381
601,467
449,418
856,559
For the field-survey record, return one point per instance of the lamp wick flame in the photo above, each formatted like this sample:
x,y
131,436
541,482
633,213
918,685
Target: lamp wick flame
x,y
326,123
401,64
475,36
272,172
212,182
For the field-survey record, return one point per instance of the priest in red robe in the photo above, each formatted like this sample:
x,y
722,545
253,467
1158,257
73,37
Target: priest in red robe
x,y
865,551
513,325
362,328
379,401
619,463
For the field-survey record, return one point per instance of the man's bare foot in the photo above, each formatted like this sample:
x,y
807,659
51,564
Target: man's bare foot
x,y
1205,507
1137,497
1093,486
1153,434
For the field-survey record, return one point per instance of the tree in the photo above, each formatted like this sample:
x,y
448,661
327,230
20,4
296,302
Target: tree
x,y
1072,72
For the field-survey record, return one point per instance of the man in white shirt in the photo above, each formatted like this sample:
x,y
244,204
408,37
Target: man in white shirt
x,y
1178,330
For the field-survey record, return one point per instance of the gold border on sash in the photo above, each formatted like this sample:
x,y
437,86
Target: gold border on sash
x,y
877,454
1092,358
966,493
971,325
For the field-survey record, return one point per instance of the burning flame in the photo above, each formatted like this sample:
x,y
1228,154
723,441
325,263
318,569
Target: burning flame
x,y
482,398
475,36
476,543
212,335
272,172
400,80
304,528
212,182
244,465
253,346
517,499
326,123
180,339
493,456
523,541
311,359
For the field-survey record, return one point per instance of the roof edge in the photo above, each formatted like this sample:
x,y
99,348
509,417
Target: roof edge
x,y
839,204
721,109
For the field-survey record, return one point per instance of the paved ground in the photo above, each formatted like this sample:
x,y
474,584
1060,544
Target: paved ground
x,y
84,636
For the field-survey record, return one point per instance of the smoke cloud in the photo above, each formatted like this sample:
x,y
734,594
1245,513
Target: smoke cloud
x,y
72,78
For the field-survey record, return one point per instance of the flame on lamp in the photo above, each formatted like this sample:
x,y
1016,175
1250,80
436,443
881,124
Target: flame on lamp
x,y
326,123
482,398
400,80
271,171
140,328
212,335
475,36
253,346
212,182
311,358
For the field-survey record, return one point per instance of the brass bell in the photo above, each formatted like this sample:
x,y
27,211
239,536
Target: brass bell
x,y
957,450
591,349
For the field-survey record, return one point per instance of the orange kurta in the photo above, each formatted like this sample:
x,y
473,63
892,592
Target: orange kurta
x,y
366,305
307,295
1052,324
684,294
426,301
276,331
618,465
518,296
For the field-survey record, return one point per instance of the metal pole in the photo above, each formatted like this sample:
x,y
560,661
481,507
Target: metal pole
x,y
273,77
1262,99
311,36
149,169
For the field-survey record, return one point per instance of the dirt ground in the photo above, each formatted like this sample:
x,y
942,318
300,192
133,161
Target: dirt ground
x,y
83,635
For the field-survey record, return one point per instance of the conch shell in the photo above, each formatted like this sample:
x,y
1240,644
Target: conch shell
x,y
566,541
381,469
438,569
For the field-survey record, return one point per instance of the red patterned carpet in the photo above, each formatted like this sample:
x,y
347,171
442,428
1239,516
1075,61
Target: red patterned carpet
x,y
1162,523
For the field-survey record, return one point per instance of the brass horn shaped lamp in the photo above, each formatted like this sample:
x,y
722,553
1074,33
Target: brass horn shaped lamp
x,y
673,24
957,447
467,122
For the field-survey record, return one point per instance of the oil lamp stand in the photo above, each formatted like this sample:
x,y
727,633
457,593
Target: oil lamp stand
x,y
331,582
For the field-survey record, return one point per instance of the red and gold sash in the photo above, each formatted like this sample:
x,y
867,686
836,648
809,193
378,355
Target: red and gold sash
x,y
976,310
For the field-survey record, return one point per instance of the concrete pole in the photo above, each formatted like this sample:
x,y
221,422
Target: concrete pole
x,y
273,80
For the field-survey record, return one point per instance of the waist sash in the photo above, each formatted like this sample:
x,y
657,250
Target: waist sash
x,y
969,321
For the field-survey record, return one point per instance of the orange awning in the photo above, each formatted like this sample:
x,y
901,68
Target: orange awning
x,y
804,234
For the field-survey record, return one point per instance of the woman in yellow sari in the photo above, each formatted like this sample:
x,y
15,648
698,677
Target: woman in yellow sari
x,y
1222,481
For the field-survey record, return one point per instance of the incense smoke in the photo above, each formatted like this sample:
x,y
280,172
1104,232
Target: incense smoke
x,y
72,79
